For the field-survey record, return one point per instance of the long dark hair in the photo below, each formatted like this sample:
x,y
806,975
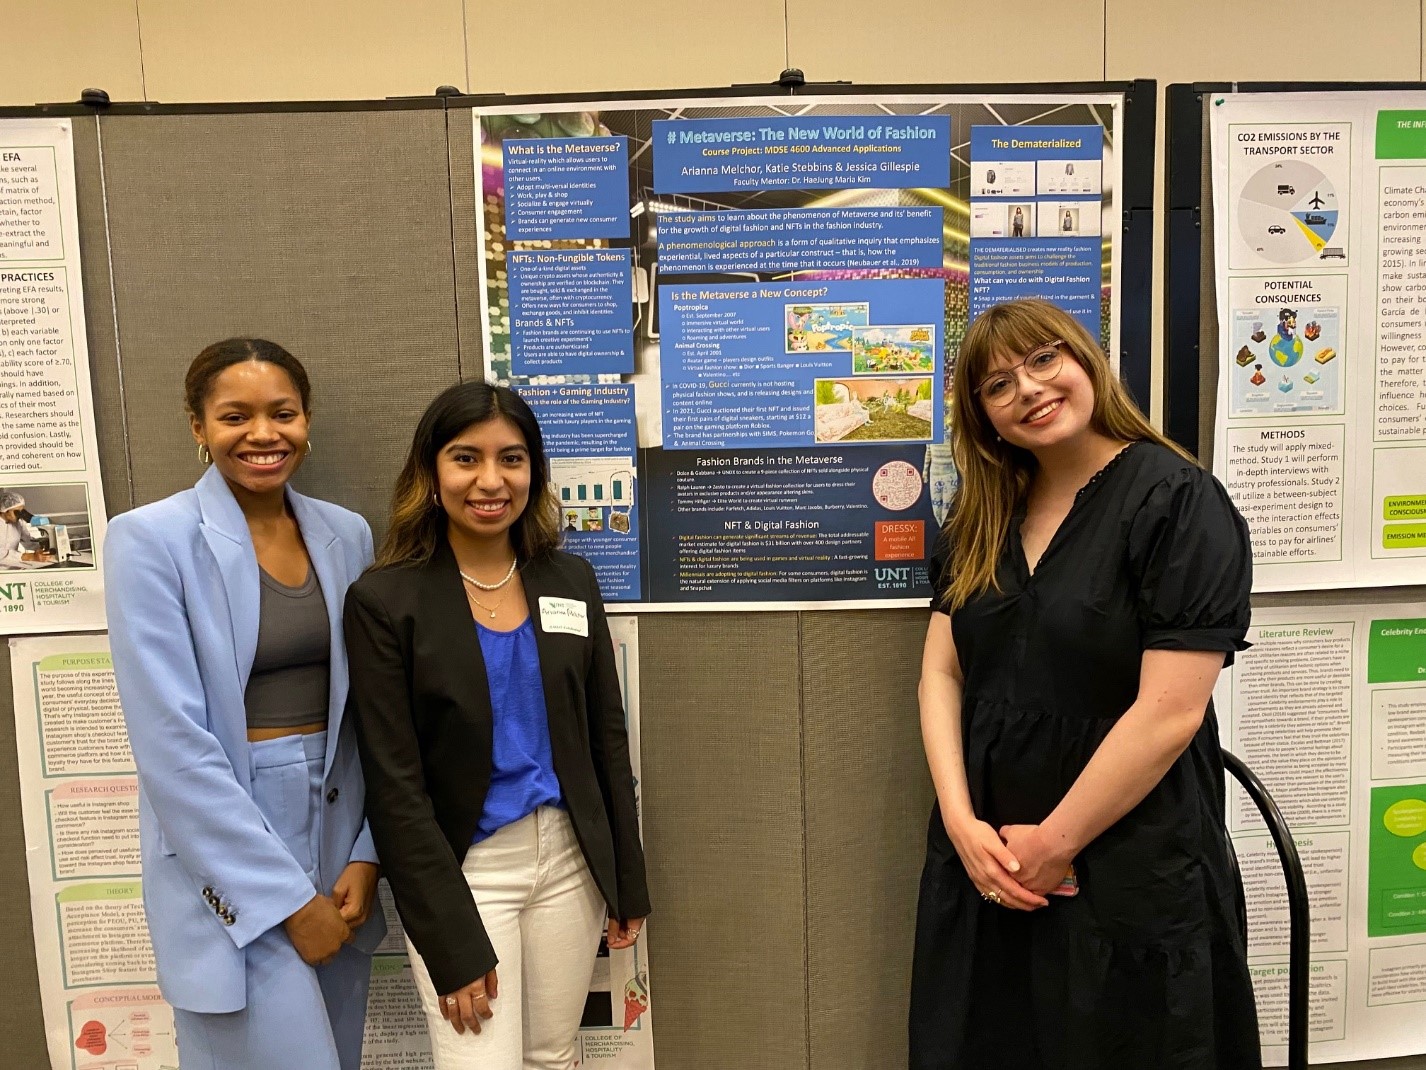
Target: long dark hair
x,y
220,356
418,524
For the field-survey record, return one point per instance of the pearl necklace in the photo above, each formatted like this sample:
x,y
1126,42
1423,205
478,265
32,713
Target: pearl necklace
x,y
490,586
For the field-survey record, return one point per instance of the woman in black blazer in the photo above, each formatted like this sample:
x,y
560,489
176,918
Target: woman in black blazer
x,y
492,734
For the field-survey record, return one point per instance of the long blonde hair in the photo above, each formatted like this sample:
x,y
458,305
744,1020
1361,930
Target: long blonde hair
x,y
995,476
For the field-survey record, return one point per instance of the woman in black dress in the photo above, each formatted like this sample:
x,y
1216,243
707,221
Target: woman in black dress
x,y
1078,905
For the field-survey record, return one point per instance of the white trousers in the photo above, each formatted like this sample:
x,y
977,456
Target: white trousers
x,y
544,915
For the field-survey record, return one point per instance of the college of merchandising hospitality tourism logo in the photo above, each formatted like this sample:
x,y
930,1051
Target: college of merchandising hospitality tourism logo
x,y
13,597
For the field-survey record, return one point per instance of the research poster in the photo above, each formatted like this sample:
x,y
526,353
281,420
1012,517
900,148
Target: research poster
x,y
1328,707
52,513
617,1031
1320,240
737,318
80,802
98,989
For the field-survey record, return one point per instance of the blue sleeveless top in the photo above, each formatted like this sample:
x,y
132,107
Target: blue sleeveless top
x,y
522,774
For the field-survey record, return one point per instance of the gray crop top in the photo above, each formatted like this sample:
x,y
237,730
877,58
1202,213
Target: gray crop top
x,y
291,672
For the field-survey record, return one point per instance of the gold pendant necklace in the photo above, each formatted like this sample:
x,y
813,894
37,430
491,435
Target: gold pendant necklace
x,y
489,609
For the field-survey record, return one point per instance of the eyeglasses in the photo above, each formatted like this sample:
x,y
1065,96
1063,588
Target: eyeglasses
x,y
998,389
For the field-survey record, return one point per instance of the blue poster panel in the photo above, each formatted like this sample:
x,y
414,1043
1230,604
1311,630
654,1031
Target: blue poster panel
x,y
801,239
589,438
1036,221
795,525
566,188
813,152
571,311
737,319
785,364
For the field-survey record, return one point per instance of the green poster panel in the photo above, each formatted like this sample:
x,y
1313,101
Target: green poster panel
x,y
1396,863
1396,652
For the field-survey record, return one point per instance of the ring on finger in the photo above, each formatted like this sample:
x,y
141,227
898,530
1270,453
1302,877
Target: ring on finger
x,y
451,1001
991,896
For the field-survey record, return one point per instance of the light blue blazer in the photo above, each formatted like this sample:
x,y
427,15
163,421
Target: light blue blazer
x,y
182,594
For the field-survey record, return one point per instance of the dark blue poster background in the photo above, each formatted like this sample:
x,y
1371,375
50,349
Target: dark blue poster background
x,y
789,525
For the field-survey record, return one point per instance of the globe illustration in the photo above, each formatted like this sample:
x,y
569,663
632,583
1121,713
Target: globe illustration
x,y
1285,352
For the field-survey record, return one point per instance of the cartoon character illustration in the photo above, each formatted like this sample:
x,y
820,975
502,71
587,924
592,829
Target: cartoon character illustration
x,y
797,342
1286,348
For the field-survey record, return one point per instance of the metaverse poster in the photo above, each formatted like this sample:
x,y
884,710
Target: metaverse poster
x,y
766,297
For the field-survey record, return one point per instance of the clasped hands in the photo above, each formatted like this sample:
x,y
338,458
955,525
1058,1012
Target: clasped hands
x,y
320,928
1016,867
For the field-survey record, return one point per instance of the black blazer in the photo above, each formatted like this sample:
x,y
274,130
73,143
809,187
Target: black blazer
x,y
420,701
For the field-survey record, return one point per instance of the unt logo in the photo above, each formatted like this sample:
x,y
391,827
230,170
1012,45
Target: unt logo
x,y
12,592
885,575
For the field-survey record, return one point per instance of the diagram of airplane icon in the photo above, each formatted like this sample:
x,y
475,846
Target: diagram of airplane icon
x,y
1317,201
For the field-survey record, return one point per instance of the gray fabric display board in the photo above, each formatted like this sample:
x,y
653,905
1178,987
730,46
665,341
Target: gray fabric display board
x,y
784,788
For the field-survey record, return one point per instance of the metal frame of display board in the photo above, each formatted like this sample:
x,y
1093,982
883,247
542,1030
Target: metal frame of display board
x,y
1185,143
1135,197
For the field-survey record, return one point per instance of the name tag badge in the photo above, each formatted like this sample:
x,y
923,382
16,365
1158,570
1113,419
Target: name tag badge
x,y
567,615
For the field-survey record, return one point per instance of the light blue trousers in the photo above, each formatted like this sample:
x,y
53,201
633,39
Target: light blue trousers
x,y
298,1017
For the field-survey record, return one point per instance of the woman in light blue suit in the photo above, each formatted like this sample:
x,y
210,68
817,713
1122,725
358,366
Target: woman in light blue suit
x,y
224,607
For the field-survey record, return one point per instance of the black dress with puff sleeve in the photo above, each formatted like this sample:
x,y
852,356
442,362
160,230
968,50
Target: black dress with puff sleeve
x,y
1146,967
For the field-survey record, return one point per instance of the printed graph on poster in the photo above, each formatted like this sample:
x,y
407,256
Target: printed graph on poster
x,y
1288,214
122,1029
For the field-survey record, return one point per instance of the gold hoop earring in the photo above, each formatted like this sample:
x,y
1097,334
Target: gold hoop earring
x,y
204,457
